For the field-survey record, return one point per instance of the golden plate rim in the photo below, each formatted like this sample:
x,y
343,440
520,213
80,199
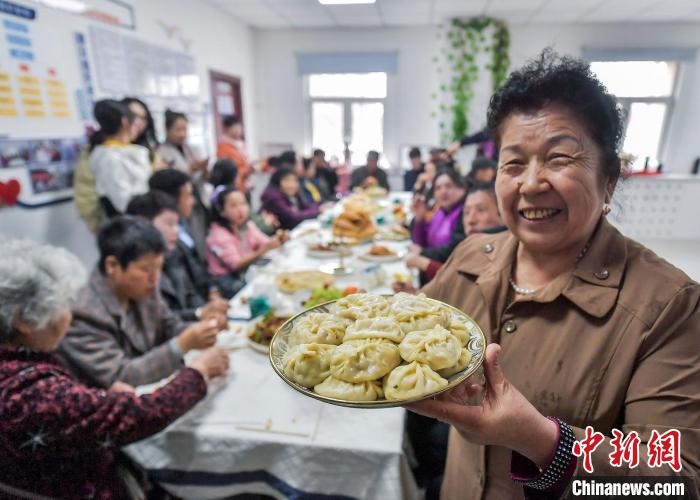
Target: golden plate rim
x,y
382,403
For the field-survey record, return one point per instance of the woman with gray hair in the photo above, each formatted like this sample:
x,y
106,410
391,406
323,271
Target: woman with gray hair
x,y
58,437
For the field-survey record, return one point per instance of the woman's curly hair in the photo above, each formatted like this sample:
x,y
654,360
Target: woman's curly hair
x,y
551,78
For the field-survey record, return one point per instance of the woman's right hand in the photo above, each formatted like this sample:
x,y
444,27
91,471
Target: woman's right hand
x,y
274,242
419,207
198,335
213,362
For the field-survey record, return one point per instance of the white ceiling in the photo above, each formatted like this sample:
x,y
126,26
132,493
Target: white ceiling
x,y
311,14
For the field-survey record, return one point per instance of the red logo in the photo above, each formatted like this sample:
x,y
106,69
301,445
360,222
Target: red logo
x,y
587,446
665,449
626,449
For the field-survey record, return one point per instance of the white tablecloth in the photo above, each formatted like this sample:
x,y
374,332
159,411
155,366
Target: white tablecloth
x,y
255,434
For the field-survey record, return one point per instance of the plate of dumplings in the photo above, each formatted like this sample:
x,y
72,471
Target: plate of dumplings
x,y
377,351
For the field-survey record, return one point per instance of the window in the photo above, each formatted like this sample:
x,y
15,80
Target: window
x,y
645,90
347,113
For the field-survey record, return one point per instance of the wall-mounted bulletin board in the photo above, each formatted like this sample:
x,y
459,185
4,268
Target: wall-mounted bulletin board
x,y
53,65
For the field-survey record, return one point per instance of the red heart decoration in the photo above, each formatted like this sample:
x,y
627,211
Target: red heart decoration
x,y
9,192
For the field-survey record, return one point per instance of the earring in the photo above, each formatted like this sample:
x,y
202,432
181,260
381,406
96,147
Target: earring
x,y
606,208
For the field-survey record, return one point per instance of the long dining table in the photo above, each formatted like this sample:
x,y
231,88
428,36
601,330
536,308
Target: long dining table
x,y
255,434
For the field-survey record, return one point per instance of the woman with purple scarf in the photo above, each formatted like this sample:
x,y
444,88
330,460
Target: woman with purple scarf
x,y
436,231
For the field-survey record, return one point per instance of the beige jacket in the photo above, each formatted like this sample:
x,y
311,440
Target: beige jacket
x,y
614,343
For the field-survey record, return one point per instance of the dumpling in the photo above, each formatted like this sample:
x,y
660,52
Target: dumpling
x,y
412,381
436,347
363,360
347,391
415,312
459,330
360,305
375,328
318,328
308,364
465,358
406,307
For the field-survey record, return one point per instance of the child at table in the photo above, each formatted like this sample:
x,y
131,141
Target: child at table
x,y
234,241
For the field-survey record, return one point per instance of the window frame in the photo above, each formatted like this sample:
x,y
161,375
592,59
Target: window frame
x,y
669,101
347,103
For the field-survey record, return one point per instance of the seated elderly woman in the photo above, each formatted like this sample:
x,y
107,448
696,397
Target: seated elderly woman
x,y
587,327
122,329
177,285
283,199
432,230
479,215
60,438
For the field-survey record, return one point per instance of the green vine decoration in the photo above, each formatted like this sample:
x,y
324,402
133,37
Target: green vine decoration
x,y
466,40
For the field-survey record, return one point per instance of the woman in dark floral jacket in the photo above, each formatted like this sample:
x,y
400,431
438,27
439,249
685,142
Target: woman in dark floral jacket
x,y
58,437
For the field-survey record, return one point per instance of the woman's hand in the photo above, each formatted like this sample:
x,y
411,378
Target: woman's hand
x,y
505,417
419,207
199,335
213,362
274,242
121,387
326,205
270,219
416,261
199,165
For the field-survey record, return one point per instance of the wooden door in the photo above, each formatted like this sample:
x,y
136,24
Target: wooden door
x,y
225,98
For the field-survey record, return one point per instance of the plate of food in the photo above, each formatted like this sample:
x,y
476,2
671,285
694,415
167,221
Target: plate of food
x,y
295,281
260,335
380,253
396,232
377,351
354,225
332,249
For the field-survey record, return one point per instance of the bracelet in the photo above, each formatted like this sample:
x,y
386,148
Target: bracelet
x,y
560,460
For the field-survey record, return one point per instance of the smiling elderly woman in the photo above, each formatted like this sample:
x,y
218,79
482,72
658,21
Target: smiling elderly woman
x,y
58,437
594,329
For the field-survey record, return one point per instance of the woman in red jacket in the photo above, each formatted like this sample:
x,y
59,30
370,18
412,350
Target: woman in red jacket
x,y
59,438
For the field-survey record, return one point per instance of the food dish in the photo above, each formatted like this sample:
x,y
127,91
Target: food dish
x,y
394,233
328,250
380,253
261,334
295,281
354,224
381,351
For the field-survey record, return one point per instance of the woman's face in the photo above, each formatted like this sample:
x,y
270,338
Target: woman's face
x,y
167,222
45,339
177,133
140,120
236,209
447,193
549,186
480,212
290,185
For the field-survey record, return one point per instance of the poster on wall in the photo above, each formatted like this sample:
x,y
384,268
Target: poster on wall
x,y
163,78
41,126
42,167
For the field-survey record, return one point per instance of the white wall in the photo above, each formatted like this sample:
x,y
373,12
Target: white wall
x,y
280,95
280,103
219,42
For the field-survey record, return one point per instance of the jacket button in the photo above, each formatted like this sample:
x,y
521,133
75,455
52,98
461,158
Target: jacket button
x,y
603,274
488,248
510,326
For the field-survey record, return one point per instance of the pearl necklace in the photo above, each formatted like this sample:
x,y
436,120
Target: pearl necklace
x,y
529,291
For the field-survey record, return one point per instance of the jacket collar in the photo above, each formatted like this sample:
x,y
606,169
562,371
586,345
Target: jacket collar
x,y
593,285
100,286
